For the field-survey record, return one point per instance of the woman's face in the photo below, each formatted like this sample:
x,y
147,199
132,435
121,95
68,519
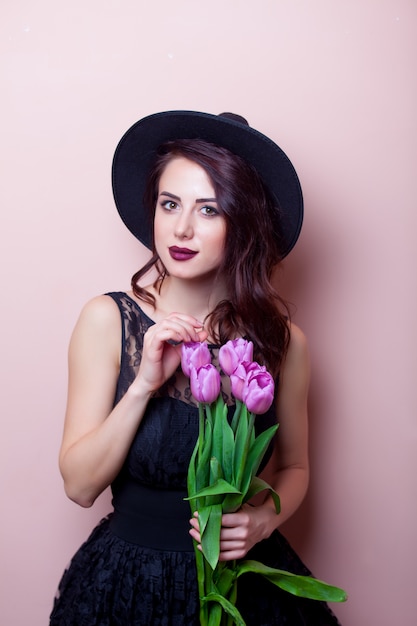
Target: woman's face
x,y
189,228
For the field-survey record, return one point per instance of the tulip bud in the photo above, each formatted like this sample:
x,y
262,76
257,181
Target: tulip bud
x,y
205,383
258,392
234,352
194,354
239,377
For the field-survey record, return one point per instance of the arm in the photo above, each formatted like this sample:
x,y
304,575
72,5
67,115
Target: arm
x,y
97,437
287,471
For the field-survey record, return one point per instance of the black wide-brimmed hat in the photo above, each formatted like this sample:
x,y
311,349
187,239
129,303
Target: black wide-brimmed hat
x,y
137,149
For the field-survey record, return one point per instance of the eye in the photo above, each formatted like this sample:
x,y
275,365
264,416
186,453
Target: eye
x,y
209,211
169,205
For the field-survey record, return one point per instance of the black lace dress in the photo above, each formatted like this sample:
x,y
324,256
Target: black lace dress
x,y
137,568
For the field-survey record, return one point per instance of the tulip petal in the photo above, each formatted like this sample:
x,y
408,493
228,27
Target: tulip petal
x,y
194,354
258,393
205,383
233,353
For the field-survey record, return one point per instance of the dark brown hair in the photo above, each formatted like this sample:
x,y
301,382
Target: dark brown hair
x,y
254,308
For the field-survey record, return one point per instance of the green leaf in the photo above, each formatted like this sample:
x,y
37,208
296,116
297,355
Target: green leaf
x,y
203,464
203,516
210,538
224,577
254,457
243,469
302,586
232,502
258,449
257,485
200,566
227,606
191,473
220,487
217,444
215,470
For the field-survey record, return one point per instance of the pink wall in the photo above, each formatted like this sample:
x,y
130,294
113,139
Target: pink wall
x,y
334,83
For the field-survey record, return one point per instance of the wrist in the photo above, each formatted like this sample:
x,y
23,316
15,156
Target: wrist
x,y
269,517
139,391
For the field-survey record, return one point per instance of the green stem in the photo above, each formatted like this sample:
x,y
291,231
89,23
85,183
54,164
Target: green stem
x,y
232,598
215,614
245,450
201,429
201,586
236,416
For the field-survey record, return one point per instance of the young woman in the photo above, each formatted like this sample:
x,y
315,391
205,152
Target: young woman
x,y
221,205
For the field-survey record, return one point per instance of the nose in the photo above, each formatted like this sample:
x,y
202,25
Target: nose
x,y
184,226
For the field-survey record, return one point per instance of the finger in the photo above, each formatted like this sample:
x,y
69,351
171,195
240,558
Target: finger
x,y
173,334
195,535
237,534
195,528
231,546
233,520
177,331
196,326
232,555
201,335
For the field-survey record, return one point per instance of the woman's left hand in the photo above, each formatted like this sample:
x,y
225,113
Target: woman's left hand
x,y
241,530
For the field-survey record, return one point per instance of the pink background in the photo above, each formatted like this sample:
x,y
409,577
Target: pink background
x,y
334,84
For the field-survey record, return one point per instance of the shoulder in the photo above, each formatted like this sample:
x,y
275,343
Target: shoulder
x,y
98,328
298,344
296,364
293,385
100,312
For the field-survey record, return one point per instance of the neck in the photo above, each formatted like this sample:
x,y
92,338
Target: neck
x,y
197,298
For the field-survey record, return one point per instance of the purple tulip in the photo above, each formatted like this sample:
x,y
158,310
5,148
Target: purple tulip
x,y
239,377
234,352
205,383
194,354
258,392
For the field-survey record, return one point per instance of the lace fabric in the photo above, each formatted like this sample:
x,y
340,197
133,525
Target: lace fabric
x,y
111,582
160,453
135,325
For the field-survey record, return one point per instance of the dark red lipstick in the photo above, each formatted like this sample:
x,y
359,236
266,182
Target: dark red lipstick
x,y
181,254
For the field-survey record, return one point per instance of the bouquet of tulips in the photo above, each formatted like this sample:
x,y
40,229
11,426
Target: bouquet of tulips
x,y
222,475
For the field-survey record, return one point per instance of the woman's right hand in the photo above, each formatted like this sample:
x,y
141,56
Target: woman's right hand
x,y
97,434
161,353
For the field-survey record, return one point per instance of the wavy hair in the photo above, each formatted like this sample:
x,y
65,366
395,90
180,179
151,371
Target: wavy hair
x,y
253,309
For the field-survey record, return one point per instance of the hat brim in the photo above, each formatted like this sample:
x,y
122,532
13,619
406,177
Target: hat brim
x,y
136,151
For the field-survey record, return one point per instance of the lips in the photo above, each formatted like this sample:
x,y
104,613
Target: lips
x,y
181,254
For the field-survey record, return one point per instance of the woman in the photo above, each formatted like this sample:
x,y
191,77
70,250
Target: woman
x,y
225,207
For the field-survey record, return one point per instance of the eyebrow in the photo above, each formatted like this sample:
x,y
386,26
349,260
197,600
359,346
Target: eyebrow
x,y
174,197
